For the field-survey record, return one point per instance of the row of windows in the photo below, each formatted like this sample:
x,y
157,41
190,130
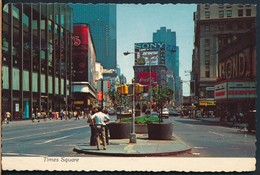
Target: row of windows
x,y
230,26
240,13
221,6
16,81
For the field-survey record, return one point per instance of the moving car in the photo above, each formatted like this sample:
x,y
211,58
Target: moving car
x,y
165,113
154,114
173,113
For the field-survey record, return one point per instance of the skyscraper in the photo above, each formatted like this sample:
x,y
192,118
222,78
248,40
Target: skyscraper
x,y
171,58
102,21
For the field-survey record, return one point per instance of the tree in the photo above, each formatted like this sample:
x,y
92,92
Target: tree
x,y
161,95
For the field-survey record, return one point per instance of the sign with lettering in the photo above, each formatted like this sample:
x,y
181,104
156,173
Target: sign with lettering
x,y
150,46
241,90
232,90
237,66
144,78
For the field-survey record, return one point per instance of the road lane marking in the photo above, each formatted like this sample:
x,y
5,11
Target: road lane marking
x,y
216,133
189,125
199,147
51,132
52,140
18,154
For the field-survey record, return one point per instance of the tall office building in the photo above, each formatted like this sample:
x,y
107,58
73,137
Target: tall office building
x,y
37,53
216,25
102,21
171,58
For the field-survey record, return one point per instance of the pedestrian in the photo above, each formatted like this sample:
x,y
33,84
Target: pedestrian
x,y
106,128
99,118
38,116
91,125
33,117
61,114
7,117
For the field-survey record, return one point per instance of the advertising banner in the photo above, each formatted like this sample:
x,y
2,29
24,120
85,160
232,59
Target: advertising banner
x,y
220,91
144,79
241,89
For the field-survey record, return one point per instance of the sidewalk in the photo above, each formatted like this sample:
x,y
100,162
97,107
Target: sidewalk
x,y
217,120
142,148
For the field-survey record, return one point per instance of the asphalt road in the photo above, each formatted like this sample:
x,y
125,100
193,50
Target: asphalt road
x,y
58,138
211,140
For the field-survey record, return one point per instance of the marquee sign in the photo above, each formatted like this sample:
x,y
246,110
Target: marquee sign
x,y
232,90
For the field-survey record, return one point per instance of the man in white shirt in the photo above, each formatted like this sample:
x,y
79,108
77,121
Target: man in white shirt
x,y
99,118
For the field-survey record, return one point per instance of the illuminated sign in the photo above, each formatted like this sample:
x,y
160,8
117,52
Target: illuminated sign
x,y
207,103
149,46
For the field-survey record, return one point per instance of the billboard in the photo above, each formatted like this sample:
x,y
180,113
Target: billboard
x,y
149,53
232,90
144,79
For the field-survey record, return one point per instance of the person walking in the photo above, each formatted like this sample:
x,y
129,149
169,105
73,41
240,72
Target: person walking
x,y
100,118
7,117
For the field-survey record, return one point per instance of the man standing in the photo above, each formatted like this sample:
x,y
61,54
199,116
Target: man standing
x,y
99,118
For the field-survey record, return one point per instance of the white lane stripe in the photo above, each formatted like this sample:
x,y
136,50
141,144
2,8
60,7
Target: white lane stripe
x,y
18,154
199,147
26,136
189,125
216,133
52,140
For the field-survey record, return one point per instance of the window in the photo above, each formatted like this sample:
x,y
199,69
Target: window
x,y
207,27
248,12
207,74
207,42
207,6
5,77
207,52
16,79
240,12
229,13
221,27
50,84
207,14
207,63
43,87
221,14
35,82
56,85
25,80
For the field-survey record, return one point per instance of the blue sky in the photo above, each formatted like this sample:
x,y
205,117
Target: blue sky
x,y
136,23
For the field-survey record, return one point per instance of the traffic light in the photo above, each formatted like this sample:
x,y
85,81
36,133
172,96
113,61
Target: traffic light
x,y
139,88
124,89
119,89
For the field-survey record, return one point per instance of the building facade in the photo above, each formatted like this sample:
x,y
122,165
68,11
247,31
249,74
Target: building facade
x,y
37,53
211,21
84,68
171,59
102,20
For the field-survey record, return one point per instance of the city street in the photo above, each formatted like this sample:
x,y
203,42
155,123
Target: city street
x,y
59,137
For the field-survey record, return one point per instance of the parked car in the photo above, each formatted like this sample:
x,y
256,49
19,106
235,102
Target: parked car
x,y
165,113
154,114
173,113
111,112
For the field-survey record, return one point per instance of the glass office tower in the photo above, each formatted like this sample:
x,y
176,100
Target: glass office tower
x,y
36,63
102,20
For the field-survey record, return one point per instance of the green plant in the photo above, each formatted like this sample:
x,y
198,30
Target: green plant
x,y
142,120
161,95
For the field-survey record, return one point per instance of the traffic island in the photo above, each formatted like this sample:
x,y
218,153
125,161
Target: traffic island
x,y
144,147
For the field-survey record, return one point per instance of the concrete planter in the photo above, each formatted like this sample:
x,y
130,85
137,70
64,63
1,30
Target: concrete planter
x,y
141,129
160,131
119,130
125,115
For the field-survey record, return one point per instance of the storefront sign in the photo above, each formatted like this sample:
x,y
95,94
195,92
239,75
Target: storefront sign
x,y
241,89
207,103
78,102
236,66
230,90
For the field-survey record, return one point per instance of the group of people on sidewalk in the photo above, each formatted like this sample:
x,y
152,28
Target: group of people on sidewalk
x,y
98,118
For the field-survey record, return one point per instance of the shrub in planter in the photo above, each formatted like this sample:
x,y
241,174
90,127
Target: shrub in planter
x,y
119,130
160,131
